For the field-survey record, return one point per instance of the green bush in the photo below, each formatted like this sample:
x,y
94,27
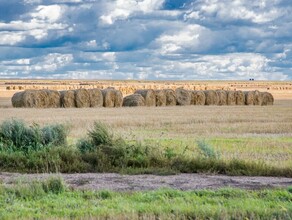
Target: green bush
x,y
100,134
207,150
15,135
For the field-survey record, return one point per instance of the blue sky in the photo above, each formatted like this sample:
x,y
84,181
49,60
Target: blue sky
x,y
146,39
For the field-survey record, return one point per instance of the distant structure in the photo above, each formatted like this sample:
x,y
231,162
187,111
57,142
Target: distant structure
x,y
251,79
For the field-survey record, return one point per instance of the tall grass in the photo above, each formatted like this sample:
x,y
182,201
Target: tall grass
x,y
34,149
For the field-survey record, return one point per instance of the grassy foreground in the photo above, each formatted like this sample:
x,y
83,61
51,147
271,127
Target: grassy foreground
x,y
36,149
52,199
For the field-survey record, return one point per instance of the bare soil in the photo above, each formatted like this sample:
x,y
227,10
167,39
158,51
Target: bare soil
x,y
118,182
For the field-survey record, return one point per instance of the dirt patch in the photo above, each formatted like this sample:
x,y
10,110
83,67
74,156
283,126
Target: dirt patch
x,y
118,182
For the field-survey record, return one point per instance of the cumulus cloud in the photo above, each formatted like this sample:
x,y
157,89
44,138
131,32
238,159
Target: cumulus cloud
x,y
146,39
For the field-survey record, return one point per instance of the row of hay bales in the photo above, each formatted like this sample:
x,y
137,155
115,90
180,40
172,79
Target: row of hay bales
x,y
85,98
81,98
170,97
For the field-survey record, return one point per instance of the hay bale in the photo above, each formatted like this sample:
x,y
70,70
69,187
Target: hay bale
x,y
183,97
231,98
34,99
257,98
267,98
118,99
222,97
96,98
211,97
17,100
249,97
134,100
54,99
68,99
198,98
148,95
240,97
82,98
109,97
160,97
170,97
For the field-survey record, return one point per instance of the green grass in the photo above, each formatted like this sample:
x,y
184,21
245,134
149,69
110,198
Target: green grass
x,y
51,199
34,149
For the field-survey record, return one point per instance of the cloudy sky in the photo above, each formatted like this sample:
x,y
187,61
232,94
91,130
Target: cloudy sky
x,y
146,39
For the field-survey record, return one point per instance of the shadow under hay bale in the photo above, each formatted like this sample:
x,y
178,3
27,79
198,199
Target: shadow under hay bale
x,y
198,98
267,98
134,100
170,97
148,95
54,99
211,97
183,97
96,98
222,97
82,98
240,98
231,98
160,97
68,99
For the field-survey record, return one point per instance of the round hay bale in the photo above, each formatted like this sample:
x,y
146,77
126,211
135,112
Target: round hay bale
x,y
109,97
54,99
170,97
249,97
118,99
96,98
198,98
240,97
231,98
257,98
148,95
183,97
31,99
211,97
134,100
160,97
267,98
82,98
222,97
17,100
68,99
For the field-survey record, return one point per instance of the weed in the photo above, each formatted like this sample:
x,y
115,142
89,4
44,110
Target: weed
x,y
207,150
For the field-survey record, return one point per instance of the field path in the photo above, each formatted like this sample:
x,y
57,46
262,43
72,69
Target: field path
x,y
118,182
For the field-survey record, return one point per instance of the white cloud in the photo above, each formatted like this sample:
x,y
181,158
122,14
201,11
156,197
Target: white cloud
x,y
122,9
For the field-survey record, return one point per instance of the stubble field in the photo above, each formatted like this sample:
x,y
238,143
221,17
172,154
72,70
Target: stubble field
x,y
253,134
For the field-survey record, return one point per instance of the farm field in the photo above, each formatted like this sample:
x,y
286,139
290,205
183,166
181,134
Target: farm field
x,y
259,137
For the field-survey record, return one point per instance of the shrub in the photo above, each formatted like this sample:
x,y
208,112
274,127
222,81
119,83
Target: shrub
x,y
100,134
15,135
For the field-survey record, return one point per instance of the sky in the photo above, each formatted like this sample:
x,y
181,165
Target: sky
x,y
146,39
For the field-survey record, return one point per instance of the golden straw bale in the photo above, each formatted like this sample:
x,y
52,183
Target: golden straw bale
x,y
118,99
96,98
183,97
17,100
267,98
148,95
68,99
257,98
160,97
249,97
134,100
170,97
211,97
231,98
198,98
54,99
82,98
222,97
240,97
